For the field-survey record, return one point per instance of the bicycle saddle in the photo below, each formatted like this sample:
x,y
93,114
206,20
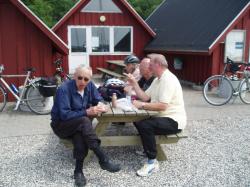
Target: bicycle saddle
x,y
30,69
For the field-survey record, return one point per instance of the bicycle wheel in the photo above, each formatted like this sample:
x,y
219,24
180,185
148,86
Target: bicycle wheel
x,y
245,91
36,102
3,99
217,90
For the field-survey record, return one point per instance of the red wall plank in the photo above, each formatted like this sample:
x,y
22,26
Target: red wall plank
x,y
23,45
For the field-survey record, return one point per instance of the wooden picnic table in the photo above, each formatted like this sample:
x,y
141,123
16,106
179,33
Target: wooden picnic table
x,y
118,115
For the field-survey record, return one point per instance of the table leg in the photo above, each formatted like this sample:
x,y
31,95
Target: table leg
x,y
101,127
161,156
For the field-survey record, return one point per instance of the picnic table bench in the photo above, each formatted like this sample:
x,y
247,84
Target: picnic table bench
x,y
111,73
114,69
118,115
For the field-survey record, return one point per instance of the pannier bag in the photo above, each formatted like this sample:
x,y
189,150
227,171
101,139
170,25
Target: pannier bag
x,y
234,68
47,87
112,86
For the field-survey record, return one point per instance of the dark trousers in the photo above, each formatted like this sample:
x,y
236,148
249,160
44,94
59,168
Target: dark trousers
x,y
148,128
81,132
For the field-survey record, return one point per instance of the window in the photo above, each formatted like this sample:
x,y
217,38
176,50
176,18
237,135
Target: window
x,y
101,6
100,39
122,39
78,40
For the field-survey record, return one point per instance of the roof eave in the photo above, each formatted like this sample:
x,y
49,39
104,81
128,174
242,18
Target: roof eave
x,y
139,18
68,14
177,51
61,46
231,25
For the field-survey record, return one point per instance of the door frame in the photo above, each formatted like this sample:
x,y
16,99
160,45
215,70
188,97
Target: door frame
x,y
86,54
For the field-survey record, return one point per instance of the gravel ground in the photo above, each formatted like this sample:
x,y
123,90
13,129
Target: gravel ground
x,y
209,157
216,152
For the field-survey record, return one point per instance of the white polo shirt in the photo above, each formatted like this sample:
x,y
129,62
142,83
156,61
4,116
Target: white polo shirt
x,y
168,90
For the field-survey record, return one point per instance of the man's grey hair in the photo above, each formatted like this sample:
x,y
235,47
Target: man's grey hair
x,y
158,58
83,68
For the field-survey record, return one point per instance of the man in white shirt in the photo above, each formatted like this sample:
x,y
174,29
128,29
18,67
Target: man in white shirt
x,y
166,97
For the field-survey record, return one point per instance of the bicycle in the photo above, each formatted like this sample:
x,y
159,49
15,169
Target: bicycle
x,y
60,76
30,94
219,89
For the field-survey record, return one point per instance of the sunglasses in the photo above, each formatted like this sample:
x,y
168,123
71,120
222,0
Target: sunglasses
x,y
83,78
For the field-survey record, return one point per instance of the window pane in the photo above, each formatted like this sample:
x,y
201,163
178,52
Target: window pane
x,y
101,6
122,39
100,39
78,40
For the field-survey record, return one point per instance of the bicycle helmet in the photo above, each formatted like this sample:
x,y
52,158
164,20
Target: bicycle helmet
x,y
112,86
114,83
131,59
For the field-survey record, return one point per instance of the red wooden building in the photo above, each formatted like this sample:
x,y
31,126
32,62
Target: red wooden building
x,y
100,30
197,36
25,41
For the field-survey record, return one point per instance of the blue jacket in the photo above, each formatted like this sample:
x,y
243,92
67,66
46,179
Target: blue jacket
x,y
69,104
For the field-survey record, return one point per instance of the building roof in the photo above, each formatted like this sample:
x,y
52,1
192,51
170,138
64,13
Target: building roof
x,y
193,25
57,42
124,2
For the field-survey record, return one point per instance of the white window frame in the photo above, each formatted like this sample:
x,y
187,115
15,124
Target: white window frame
x,y
249,52
69,38
131,39
111,41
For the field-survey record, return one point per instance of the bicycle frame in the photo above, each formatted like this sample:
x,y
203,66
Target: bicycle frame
x,y
216,85
59,74
6,85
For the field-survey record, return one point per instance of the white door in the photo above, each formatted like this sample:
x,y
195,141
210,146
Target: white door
x,y
77,37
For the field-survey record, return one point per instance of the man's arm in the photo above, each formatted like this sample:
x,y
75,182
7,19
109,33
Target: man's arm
x,y
139,92
150,106
63,101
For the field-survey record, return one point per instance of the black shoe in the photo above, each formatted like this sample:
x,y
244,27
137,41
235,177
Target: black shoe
x,y
107,165
80,179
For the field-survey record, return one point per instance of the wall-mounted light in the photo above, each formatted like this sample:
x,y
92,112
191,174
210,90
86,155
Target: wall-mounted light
x,y
102,18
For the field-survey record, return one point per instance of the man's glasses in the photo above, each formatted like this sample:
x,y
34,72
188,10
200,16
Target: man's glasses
x,y
83,78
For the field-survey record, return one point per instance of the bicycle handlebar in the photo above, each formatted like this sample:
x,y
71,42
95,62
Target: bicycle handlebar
x,y
229,61
58,61
26,70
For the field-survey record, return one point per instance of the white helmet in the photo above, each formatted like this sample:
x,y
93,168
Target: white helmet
x,y
114,82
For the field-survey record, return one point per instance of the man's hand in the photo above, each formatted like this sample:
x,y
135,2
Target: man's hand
x,y
95,110
131,79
